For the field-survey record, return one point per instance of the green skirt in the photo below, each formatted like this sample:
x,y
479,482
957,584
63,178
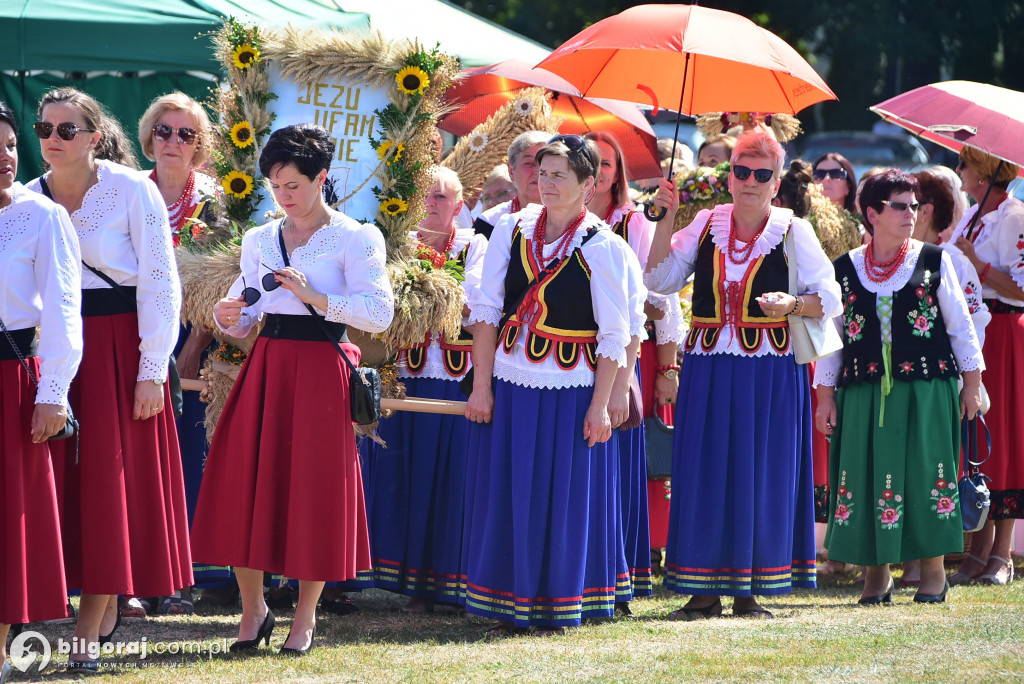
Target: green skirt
x,y
894,491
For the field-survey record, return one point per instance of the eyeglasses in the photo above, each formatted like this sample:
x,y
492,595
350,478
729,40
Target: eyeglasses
x,y
186,136
66,130
742,173
575,143
251,294
834,174
902,206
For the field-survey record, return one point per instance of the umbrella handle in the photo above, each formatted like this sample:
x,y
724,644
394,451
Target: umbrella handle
x,y
654,213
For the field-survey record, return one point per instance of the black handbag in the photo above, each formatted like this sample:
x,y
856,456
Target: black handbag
x,y
975,498
658,443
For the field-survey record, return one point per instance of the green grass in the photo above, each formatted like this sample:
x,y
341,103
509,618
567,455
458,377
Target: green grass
x,y
818,635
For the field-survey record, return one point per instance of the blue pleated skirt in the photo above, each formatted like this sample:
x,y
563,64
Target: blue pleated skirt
x,y
636,527
544,539
742,515
416,496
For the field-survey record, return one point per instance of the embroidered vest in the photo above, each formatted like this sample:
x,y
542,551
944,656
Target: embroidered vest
x,y
621,227
558,306
767,273
455,353
920,345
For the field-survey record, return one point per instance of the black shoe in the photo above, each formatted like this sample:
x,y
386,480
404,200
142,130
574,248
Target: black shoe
x,y
880,599
106,639
339,606
714,610
932,598
299,652
263,634
87,667
622,608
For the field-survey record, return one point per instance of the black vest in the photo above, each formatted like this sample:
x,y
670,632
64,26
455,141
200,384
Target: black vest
x,y
563,312
768,273
920,345
456,353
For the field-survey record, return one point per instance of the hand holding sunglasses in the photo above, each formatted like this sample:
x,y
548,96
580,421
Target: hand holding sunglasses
x,y
65,131
228,311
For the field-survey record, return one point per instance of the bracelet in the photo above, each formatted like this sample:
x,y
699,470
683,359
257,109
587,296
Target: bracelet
x,y
798,306
984,272
660,369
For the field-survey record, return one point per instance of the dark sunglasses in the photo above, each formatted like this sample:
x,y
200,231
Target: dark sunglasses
x,y
834,174
66,130
901,206
575,143
251,294
742,173
186,136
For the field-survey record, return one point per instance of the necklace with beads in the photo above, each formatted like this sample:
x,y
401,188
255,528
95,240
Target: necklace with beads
x,y
180,211
879,272
449,243
739,255
561,242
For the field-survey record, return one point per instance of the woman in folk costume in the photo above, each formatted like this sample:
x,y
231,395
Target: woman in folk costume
x,y
417,490
551,353
40,260
742,518
656,367
895,421
124,518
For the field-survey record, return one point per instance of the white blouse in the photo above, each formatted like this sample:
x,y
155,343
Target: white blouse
x,y
344,260
815,274
967,276
952,305
473,269
618,304
672,327
123,231
40,260
998,240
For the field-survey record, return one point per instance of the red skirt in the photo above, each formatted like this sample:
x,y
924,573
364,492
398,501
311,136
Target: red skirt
x,y
1004,380
657,490
282,491
123,513
32,566
648,363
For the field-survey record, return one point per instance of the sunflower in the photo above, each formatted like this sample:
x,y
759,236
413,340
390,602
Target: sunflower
x,y
478,141
412,79
523,106
394,206
245,56
385,147
241,134
238,184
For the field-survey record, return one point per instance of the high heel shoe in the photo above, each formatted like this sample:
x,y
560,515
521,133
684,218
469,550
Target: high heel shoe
x,y
262,634
106,639
885,597
299,652
932,598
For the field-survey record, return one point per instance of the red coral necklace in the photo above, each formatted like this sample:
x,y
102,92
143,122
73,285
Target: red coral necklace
x,y
879,272
740,255
561,242
180,211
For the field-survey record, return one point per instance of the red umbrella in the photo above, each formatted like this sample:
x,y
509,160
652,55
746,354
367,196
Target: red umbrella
x,y
484,90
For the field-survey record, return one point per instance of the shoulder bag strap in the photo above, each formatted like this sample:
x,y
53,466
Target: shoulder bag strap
x,y
21,358
791,256
969,442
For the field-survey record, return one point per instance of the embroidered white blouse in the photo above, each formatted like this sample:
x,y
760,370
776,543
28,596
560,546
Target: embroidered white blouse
x,y
344,260
40,261
998,240
123,230
967,276
815,274
434,365
952,305
616,291
672,327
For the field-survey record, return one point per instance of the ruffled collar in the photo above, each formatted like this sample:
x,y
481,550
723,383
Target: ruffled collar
x,y
528,221
778,223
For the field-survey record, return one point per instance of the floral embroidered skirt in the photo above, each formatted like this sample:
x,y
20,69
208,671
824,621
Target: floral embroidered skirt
x,y
894,488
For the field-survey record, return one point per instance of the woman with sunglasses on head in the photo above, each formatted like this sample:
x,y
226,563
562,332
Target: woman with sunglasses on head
x,y
657,366
175,133
282,491
894,422
125,526
40,261
995,247
742,515
556,315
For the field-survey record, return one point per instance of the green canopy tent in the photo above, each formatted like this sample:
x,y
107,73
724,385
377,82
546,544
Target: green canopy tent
x,y
126,52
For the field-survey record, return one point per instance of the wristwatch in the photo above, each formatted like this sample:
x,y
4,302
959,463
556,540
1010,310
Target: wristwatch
x,y
671,373
158,383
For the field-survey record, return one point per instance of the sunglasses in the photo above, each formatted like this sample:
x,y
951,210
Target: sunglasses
x,y
742,173
834,174
901,206
251,294
186,136
575,143
66,130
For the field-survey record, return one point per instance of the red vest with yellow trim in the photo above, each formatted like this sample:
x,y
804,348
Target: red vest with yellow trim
x,y
558,308
456,353
767,273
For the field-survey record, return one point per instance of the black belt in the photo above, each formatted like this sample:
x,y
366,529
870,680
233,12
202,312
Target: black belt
x,y
25,338
999,306
300,327
107,302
